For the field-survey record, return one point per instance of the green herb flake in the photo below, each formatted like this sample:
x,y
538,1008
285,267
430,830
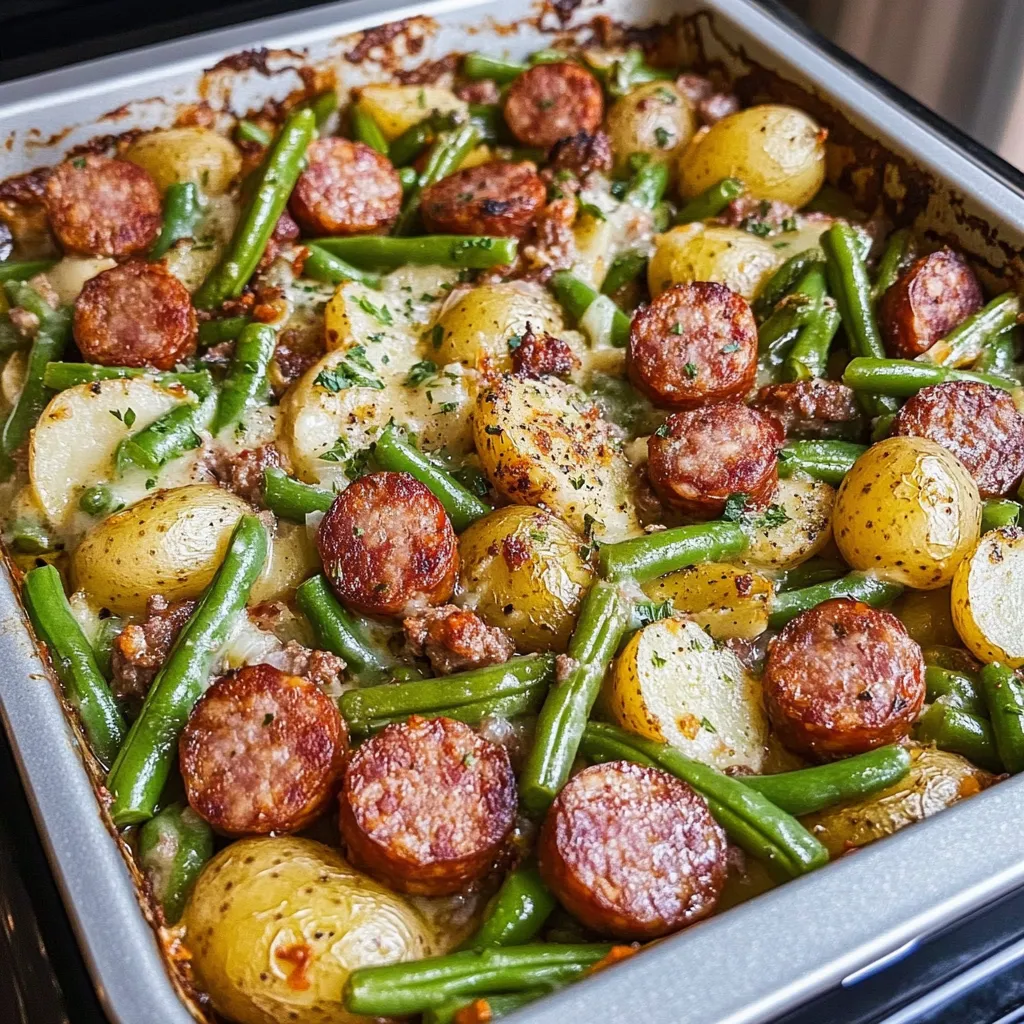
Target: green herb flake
x,y
380,313
663,137
690,369
662,431
658,661
593,210
735,507
424,370
677,328
705,724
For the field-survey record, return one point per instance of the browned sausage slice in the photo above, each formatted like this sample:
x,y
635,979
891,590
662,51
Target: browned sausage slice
x,y
843,678
978,423
103,207
932,296
492,199
582,153
552,101
347,189
813,408
701,456
262,752
542,355
694,343
388,547
427,805
137,314
632,851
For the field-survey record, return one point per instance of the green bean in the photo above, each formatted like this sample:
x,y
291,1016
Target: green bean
x,y
246,382
363,708
960,690
882,427
102,644
1004,697
602,621
407,176
517,912
751,820
513,705
490,122
861,586
472,252
22,270
498,1006
413,141
814,570
894,260
997,514
953,729
625,268
338,631
29,537
809,355
477,66
623,75
999,353
782,282
777,334
366,130
84,686
903,378
291,499
595,314
648,185
449,150
395,454
965,343
60,376
323,266
829,461
848,281
182,212
247,131
276,178
955,658
813,789
227,329
322,105
645,558
97,500
166,438
148,753
174,846
711,202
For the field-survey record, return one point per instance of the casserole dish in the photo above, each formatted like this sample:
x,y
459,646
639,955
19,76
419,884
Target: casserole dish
x,y
902,888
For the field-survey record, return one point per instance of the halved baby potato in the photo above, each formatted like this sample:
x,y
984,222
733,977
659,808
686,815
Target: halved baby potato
x,y
204,157
673,683
784,543
397,107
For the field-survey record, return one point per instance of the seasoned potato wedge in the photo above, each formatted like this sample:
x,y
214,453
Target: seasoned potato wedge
x,y
524,570
292,558
909,511
540,443
727,601
199,155
936,780
192,259
988,598
673,683
170,543
655,119
397,107
259,898
68,276
778,152
808,504
73,446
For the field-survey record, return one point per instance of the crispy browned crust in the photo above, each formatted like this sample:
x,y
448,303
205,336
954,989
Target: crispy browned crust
x,y
553,101
492,199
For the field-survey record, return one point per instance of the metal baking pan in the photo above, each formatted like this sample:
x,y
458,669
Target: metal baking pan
x,y
754,961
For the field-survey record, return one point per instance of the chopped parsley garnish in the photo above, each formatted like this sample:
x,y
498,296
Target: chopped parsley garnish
x,y
593,209
663,137
380,313
690,369
424,370
354,371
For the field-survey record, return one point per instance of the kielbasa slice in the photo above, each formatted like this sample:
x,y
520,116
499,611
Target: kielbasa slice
x,y
543,355
427,805
931,297
843,678
694,343
388,546
812,408
347,189
135,314
978,423
493,199
632,851
583,153
701,456
553,101
262,752
103,207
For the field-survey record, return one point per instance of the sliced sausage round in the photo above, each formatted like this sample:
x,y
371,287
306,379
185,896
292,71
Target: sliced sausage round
x,y
694,343
843,678
978,423
135,314
427,805
492,199
103,207
931,297
583,153
388,546
632,851
543,355
553,101
262,752
703,455
348,188
814,408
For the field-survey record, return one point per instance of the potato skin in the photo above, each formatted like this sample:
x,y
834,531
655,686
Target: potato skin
x,y
806,532
524,570
778,152
909,511
199,155
275,925
397,107
656,119
171,543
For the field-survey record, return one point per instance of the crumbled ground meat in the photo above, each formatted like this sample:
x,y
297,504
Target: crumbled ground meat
x,y
484,91
709,103
812,408
564,668
285,231
320,667
747,211
25,323
45,290
242,472
554,244
541,355
294,355
139,651
455,640
583,153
